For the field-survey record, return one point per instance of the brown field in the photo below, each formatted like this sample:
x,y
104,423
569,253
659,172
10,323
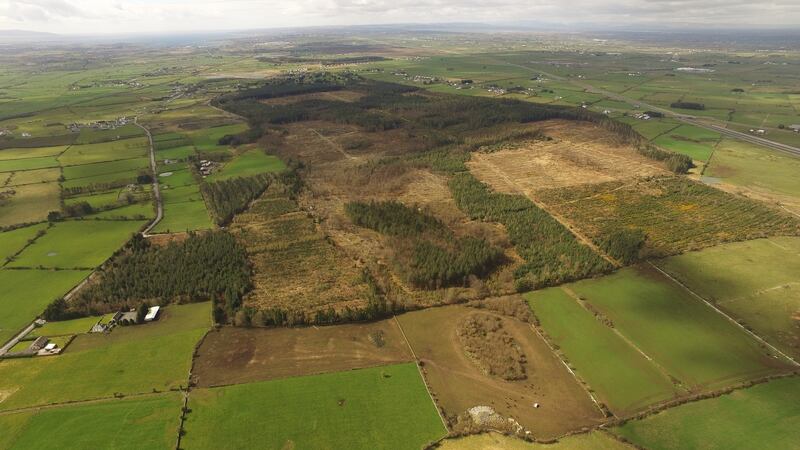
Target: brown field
x,y
29,203
33,176
296,267
676,214
336,96
243,355
458,384
578,153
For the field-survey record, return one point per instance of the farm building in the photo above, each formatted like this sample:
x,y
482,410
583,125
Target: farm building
x,y
152,313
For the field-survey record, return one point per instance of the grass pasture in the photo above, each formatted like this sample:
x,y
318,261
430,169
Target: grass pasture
x,y
689,140
106,151
129,360
757,171
130,424
249,163
67,327
13,241
26,293
77,244
763,416
757,282
694,344
378,408
207,139
103,168
621,378
12,165
184,209
28,153
134,211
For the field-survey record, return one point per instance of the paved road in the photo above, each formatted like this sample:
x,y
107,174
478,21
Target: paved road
x,y
156,190
10,344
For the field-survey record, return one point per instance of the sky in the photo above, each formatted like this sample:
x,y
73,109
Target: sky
x,y
127,16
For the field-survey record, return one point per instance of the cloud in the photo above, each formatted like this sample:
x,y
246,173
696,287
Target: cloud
x,y
180,15
41,10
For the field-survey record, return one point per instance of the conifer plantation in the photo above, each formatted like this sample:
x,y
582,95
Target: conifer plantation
x,y
204,266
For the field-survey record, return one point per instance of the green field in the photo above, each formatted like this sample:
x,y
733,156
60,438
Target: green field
x,y
102,168
621,377
184,209
11,165
129,360
138,211
106,151
208,138
763,416
698,143
142,423
77,244
758,282
15,240
759,169
36,152
249,163
173,153
691,342
378,408
26,293
67,327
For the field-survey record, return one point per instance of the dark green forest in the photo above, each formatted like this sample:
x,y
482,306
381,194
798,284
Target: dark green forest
x,y
211,265
227,198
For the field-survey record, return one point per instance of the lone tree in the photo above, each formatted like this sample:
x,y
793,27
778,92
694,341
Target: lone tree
x,y
141,311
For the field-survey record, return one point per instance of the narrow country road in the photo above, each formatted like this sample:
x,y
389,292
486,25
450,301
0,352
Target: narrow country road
x,y
156,191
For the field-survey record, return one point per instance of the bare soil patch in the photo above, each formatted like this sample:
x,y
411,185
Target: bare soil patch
x,y
458,384
242,355
578,153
